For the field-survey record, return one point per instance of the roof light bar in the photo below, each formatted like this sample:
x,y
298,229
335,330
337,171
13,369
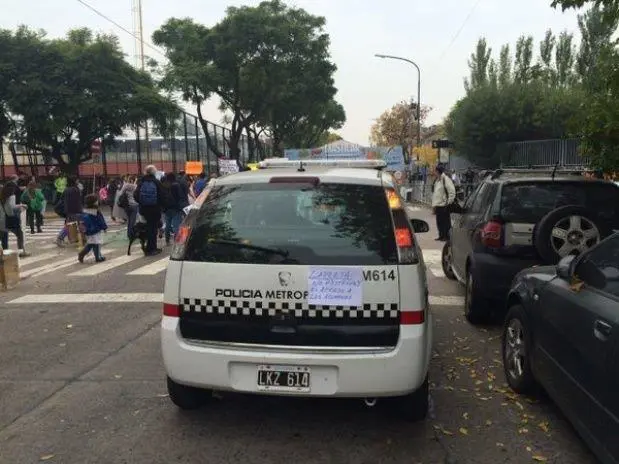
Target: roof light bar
x,y
334,163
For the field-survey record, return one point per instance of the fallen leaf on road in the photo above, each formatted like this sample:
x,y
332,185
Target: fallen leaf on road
x,y
520,405
538,458
463,431
465,415
69,326
529,449
523,430
499,444
47,457
62,344
488,422
479,382
543,426
117,376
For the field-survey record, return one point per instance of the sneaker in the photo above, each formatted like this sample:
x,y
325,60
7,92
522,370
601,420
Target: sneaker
x,y
80,258
100,260
60,242
23,254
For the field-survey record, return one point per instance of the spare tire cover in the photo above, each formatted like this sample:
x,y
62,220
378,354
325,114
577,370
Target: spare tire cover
x,y
555,230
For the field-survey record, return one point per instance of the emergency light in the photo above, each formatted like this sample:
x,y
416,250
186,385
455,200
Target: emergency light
x,y
332,163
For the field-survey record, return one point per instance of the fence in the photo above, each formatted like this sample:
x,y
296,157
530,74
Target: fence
x,y
538,153
131,153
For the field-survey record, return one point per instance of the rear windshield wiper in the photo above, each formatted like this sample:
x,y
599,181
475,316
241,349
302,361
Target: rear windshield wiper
x,y
275,251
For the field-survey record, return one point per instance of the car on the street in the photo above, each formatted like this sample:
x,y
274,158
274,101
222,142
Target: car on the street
x,y
303,278
562,333
522,218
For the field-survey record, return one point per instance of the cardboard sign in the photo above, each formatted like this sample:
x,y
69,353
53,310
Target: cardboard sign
x,y
227,166
194,168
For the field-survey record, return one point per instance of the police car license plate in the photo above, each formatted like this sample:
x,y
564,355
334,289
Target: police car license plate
x,y
284,378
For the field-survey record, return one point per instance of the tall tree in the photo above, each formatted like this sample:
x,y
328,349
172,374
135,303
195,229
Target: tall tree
x,y
596,35
610,8
524,71
268,64
478,66
66,93
546,49
564,60
505,67
397,126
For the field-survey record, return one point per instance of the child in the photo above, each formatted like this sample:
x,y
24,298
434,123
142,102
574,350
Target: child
x,y
93,225
33,199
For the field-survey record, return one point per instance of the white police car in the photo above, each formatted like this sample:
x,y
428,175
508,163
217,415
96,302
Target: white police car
x,y
302,278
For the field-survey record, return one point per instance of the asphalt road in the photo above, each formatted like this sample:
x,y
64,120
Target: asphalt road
x,y
84,383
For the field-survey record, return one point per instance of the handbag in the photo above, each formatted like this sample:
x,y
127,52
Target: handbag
x,y
11,222
123,200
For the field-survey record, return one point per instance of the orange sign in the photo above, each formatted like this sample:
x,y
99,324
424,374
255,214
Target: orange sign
x,y
193,168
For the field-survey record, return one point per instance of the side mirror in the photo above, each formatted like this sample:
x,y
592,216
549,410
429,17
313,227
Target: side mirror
x,y
590,273
565,267
420,226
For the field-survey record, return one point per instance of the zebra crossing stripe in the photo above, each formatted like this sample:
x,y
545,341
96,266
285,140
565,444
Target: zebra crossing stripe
x,y
35,259
151,269
51,267
100,268
77,298
433,260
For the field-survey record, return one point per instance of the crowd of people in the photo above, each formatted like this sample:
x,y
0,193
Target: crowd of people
x,y
156,199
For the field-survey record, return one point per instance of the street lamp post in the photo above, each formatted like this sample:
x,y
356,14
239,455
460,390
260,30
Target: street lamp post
x,y
418,92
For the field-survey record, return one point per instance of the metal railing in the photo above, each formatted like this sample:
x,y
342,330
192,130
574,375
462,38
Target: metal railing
x,y
535,153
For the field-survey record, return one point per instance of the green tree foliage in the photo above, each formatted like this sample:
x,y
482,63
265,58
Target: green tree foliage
x,y
478,65
58,96
526,99
269,65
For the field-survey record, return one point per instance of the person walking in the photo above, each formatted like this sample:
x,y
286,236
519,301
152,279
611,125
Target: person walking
x,y
92,225
10,216
112,188
200,185
149,195
127,201
60,184
443,196
72,208
33,199
118,213
184,185
173,205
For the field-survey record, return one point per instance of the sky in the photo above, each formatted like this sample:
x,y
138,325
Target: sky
x,y
439,35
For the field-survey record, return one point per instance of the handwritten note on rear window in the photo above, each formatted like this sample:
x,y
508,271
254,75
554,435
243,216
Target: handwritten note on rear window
x,y
335,286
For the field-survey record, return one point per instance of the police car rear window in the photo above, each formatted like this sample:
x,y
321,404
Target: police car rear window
x,y
298,224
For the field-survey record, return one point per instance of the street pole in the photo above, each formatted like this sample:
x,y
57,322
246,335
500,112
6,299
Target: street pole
x,y
378,55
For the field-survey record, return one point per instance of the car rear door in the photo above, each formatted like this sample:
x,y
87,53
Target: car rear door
x,y
459,234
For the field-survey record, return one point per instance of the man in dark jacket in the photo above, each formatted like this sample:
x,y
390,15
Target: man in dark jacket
x,y
150,196
71,204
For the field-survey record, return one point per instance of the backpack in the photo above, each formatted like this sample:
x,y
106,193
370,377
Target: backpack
x,y
148,193
103,194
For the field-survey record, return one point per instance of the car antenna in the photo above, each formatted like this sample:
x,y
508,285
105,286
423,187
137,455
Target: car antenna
x,y
301,167
554,171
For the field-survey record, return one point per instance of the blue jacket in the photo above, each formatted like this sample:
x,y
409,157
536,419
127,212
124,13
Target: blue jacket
x,y
93,223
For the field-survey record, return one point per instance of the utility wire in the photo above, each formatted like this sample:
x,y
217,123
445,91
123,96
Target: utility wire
x,y
124,29
455,37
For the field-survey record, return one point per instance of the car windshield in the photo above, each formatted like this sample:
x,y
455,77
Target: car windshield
x,y
529,202
327,224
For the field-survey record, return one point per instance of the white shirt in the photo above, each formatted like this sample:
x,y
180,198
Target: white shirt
x,y
444,191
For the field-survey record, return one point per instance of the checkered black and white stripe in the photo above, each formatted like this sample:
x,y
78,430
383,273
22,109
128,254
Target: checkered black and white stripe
x,y
257,308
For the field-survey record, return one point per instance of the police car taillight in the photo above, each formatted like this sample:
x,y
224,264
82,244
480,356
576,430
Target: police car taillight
x,y
171,310
403,232
412,317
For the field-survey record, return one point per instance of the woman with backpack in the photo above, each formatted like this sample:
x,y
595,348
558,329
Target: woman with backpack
x,y
127,202
150,197
10,216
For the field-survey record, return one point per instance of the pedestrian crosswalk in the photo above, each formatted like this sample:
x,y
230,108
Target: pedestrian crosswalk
x,y
135,265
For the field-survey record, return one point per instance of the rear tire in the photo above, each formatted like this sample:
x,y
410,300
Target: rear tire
x,y
446,261
475,306
414,406
185,397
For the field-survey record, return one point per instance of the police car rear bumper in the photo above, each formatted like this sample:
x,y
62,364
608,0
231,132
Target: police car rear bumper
x,y
339,373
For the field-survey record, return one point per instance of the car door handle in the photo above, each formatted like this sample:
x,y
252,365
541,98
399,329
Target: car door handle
x,y
602,330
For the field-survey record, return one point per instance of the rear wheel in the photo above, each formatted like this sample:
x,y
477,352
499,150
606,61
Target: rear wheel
x,y
516,345
414,406
185,397
475,306
446,261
